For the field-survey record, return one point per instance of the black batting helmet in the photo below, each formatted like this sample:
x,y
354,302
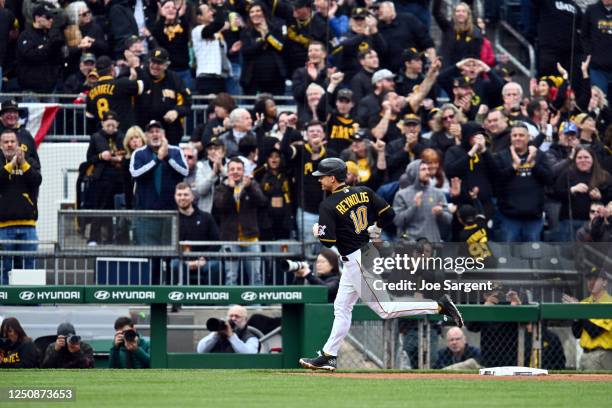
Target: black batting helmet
x,y
331,167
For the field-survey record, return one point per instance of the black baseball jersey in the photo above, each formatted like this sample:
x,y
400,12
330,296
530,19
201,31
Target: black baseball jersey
x,y
346,214
116,94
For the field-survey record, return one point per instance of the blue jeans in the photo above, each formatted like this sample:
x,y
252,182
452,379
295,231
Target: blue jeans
x,y
601,79
23,233
187,78
513,230
209,274
250,267
232,83
152,231
568,229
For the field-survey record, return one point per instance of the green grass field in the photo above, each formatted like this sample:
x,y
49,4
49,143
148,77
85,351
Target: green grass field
x,y
283,388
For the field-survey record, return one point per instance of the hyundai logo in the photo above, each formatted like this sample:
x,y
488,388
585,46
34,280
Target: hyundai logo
x,y
176,296
248,296
102,294
27,295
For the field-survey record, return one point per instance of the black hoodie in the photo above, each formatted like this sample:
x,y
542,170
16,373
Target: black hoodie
x,y
478,171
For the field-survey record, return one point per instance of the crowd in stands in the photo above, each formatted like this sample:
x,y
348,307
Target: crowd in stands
x,y
443,130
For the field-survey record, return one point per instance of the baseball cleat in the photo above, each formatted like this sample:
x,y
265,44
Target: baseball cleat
x,y
321,362
449,308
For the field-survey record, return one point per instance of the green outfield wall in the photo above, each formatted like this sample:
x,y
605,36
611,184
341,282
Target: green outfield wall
x,y
306,322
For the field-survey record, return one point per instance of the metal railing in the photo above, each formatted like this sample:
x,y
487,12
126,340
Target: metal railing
x,y
70,124
528,69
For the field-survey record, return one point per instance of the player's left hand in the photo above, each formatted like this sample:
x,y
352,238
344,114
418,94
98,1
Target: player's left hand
x,y
315,230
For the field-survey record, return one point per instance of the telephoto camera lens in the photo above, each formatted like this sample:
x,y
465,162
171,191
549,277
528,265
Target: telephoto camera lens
x,y
213,324
293,266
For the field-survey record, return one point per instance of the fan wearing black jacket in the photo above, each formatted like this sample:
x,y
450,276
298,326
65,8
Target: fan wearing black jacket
x,y
195,225
106,153
165,99
39,52
263,42
474,164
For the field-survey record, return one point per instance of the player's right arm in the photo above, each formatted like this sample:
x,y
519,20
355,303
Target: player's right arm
x,y
327,225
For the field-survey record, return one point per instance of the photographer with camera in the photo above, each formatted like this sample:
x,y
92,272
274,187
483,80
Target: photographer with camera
x,y
231,336
16,349
130,349
68,351
327,272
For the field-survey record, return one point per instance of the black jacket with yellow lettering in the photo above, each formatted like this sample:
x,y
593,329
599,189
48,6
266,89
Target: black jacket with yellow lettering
x,y
263,56
18,188
339,128
161,96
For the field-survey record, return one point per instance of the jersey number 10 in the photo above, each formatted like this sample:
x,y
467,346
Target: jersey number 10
x,y
360,219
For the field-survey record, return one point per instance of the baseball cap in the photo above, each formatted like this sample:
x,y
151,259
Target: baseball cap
x,y
8,105
297,4
131,40
154,123
595,272
159,55
361,135
432,113
345,93
214,141
462,82
359,13
103,63
88,57
43,8
409,118
382,74
467,213
410,54
109,115
65,329
569,127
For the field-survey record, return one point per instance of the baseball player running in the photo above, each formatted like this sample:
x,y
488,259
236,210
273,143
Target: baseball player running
x,y
348,218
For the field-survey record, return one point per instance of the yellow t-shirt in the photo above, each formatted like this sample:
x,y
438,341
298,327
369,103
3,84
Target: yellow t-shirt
x,y
605,339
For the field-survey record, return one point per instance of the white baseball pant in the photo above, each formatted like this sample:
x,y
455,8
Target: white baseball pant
x,y
352,283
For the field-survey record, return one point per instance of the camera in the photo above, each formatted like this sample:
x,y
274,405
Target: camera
x,y
213,324
294,266
130,335
73,339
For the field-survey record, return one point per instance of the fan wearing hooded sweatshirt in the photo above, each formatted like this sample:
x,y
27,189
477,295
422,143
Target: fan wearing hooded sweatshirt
x,y
420,208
